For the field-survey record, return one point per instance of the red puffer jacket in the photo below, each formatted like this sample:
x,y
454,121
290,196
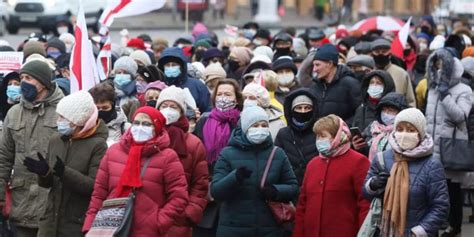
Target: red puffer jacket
x,y
197,175
163,195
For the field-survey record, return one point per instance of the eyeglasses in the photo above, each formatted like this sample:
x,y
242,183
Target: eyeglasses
x,y
144,124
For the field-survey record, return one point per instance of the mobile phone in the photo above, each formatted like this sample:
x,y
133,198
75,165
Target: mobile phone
x,y
355,131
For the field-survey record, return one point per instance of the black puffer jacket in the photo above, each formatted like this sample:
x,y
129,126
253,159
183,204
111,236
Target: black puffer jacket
x,y
366,112
341,97
299,144
470,120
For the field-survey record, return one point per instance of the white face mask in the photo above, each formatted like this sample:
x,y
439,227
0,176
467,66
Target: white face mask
x,y
170,114
62,30
375,91
250,103
257,135
407,140
286,79
141,133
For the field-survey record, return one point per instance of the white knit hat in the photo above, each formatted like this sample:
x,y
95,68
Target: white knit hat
x,y
77,107
174,94
141,56
413,116
437,43
214,71
258,91
468,64
263,50
261,58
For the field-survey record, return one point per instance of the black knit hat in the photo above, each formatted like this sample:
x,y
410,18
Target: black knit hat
x,y
40,71
327,52
263,33
57,43
151,73
284,63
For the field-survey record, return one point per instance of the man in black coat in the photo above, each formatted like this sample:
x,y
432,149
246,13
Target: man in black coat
x,y
335,87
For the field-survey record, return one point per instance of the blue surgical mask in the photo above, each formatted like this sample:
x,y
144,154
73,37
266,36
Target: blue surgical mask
x,y
324,146
28,91
173,71
122,80
141,86
14,93
54,55
64,128
387,118
375,91
257,135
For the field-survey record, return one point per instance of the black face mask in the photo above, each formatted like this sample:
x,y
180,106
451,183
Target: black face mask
x,y
226,51
359,75
302,117
199,54
426,30
420,64
151,103
283,51
108,116
381,60
233,65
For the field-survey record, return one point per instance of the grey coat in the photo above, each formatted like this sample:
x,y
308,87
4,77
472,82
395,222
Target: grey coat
x,y
443,116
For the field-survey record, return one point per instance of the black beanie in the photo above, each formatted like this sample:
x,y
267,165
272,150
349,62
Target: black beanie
x,y
40,71
57,43
284,63
327,52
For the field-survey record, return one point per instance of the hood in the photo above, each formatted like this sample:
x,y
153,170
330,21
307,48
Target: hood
x,y
389,85
50,100
117,122
289,112
239,140
152,147
449,71
175,54
393,99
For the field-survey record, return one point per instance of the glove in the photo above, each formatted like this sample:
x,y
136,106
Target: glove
x,y
379,181
443,88
58,167
270,192
242,173
39,166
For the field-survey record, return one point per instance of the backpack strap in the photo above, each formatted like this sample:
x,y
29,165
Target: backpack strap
x,y
267,167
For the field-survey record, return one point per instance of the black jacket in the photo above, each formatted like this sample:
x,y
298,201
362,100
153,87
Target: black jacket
x,y
299,144
366,112
341,97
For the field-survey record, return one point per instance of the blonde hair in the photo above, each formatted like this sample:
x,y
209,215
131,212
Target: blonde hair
x,y
329,123
271,80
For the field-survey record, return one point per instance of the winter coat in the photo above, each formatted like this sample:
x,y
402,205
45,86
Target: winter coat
x,y
197,176
27,129
341,97
117,127
127,99
428,200
244,211
402,82
69,196
331,202
198,89
444,117
160,200
276,121
367,111
299,144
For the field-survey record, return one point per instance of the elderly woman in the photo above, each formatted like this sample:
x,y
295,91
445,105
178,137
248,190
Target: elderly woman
x,y
237,177
411,181
161,192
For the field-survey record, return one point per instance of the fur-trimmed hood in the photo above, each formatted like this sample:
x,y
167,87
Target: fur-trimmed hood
x,y
451,70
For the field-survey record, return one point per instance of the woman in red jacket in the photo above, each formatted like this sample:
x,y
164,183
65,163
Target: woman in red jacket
x,y
192,154
162,191
331,202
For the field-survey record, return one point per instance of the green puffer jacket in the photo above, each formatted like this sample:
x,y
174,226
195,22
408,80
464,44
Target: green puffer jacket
x,y
69,196
27,130
244,211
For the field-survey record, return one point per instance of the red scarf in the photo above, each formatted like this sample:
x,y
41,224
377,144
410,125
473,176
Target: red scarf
x,y
130,177
177,132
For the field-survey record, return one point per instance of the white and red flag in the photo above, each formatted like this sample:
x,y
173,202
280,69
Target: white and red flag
x,y
83,69
123,8
398,44
104,59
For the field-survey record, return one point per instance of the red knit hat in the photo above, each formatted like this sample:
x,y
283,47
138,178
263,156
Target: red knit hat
x,y
158,119
136,43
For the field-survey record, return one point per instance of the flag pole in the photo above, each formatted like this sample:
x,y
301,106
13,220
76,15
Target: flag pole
x,y
187,17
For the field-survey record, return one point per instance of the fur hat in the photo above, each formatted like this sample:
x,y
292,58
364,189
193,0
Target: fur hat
x,y
141,56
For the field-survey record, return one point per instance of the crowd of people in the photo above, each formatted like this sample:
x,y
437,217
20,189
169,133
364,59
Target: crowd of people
x,y
206,132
